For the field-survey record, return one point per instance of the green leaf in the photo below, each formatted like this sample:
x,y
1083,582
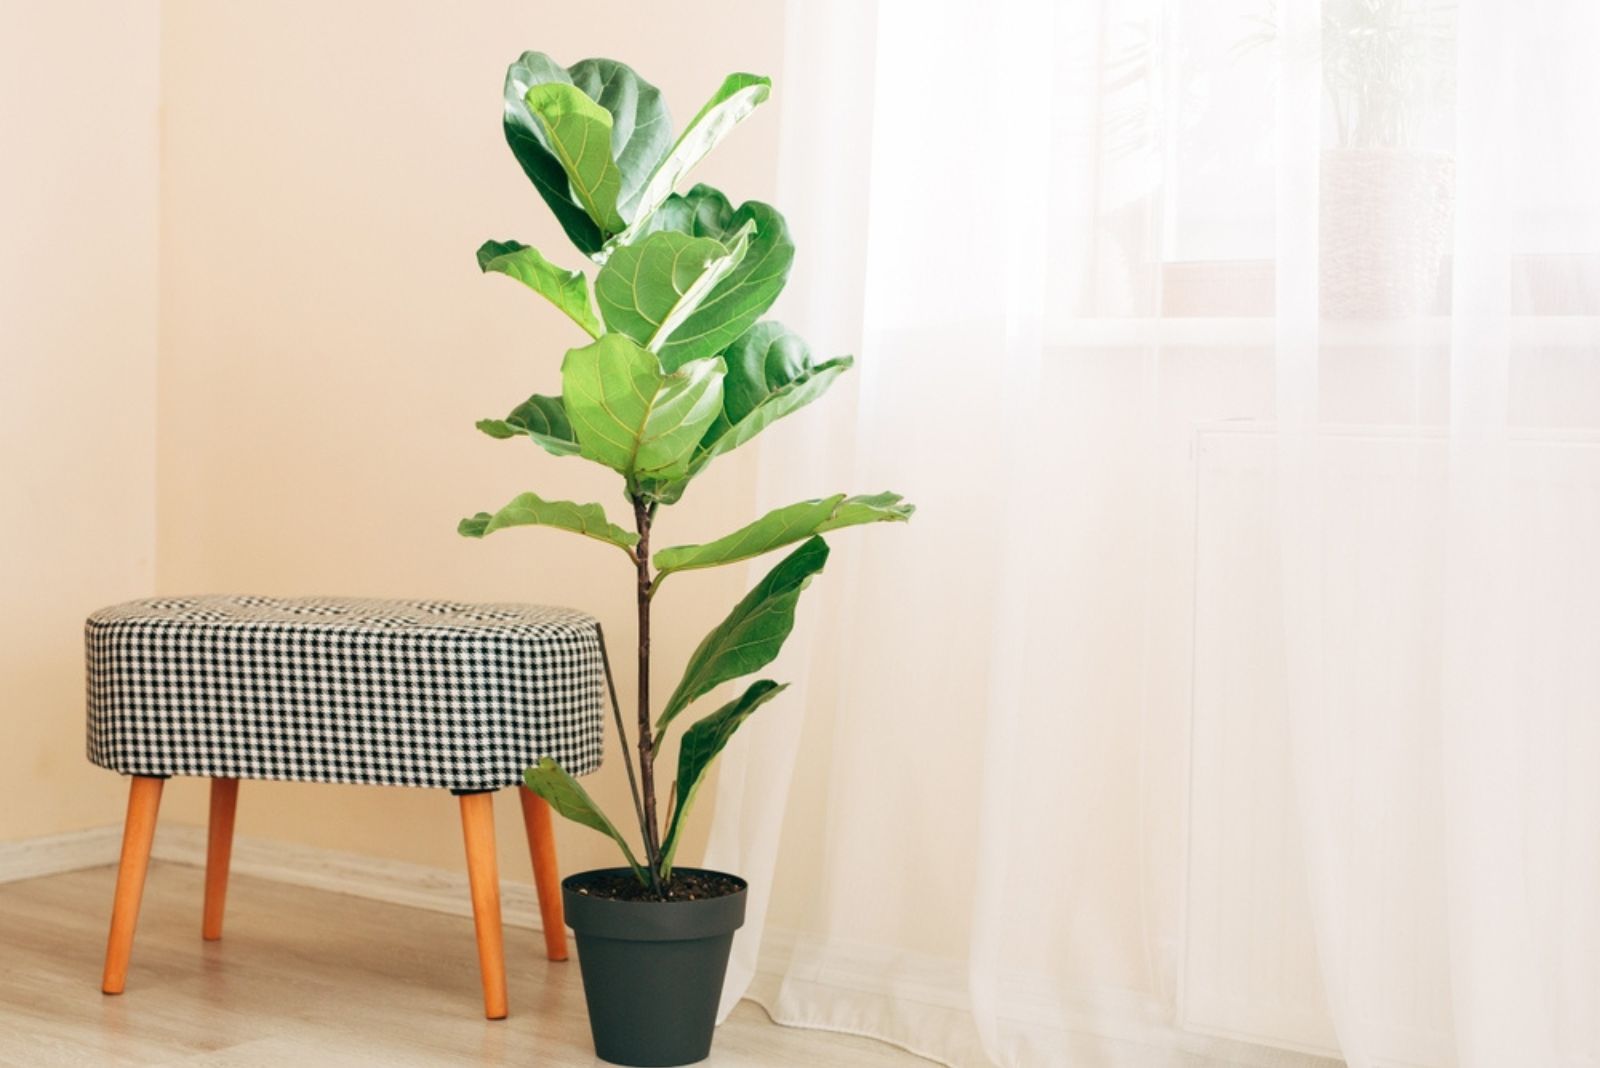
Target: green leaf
x,y
754,631
578,132
529,509
747,291
567,290
641,131
569,798
630,416
784,526
770,374
526,137
701,744
732,103
702,210
647,290
544,419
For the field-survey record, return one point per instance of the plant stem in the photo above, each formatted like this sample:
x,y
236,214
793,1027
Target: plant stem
x,y
622,730
642,514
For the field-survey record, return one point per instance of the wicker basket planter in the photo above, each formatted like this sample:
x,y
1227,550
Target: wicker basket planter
x,y
1385,215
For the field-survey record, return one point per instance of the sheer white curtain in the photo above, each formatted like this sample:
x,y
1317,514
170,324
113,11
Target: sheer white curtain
x,y
1234,697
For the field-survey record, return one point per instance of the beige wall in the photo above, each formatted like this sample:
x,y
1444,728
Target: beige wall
x,y
79,91
314,347
327,340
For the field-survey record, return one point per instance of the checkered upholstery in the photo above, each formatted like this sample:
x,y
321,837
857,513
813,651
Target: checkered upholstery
x,y
394,693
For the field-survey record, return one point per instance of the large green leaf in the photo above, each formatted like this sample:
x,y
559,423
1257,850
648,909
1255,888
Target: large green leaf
x,y
544,419
578,132
641,131
526,137
754,631
568,797
530,509
633,418
640,136
733,101
770,374
748,290
784,526
567,290
702,210
647,290
701,744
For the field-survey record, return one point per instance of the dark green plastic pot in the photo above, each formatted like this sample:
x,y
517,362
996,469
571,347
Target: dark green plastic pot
x,y
652,971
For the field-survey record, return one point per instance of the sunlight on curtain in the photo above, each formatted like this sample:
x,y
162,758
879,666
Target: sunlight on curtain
x,y
1234,697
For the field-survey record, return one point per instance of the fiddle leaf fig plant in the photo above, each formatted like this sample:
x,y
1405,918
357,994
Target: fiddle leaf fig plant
x,y
671,366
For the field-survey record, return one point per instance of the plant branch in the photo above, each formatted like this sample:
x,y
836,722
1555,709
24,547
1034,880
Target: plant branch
x,y
622,731
642,514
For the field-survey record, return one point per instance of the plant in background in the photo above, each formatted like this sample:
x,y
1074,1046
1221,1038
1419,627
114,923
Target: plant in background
x,y
1383,61
676,368
1380,60
1384,200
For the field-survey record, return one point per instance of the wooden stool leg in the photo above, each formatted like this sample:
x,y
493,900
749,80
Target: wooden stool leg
x,y
546,876
144,800
219,850
477,827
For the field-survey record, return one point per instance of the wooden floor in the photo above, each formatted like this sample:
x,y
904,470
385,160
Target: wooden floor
x,y
307,979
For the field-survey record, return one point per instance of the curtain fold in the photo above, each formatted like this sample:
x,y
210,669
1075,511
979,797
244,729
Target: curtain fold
x,y
1234,695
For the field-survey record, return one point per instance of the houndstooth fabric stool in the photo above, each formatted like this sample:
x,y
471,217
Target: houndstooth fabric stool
x,y
337,690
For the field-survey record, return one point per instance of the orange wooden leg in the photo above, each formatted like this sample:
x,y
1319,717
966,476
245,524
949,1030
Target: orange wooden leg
x,y
144,800
219,850
546,876
477,827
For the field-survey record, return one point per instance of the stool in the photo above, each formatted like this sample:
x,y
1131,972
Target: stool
x,y
389,693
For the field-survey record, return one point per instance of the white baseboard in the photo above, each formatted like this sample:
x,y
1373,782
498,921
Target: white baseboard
x,y
53,854
392,881
396,882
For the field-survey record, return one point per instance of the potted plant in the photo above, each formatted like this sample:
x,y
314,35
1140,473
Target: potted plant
x,y
1385,201
674,367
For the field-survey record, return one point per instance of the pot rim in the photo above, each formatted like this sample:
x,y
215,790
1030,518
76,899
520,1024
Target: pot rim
x,y
654,921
